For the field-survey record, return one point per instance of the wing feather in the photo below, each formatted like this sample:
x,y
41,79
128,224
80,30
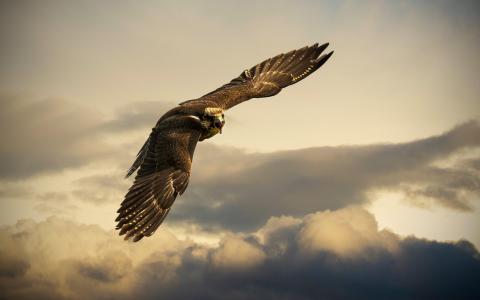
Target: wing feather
x,y
269,77
163,174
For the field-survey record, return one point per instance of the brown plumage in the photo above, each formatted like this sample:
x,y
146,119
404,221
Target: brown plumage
x,y
165,159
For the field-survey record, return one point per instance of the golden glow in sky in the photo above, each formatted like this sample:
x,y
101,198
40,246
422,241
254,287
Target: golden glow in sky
x,y
376,150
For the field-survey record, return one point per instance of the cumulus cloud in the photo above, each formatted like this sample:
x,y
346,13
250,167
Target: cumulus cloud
x,y
316,256
61,259
346,232
236,253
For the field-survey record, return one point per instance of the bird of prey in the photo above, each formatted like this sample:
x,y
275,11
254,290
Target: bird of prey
x,y
165,159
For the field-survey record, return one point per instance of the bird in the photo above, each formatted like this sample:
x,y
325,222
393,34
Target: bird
x,y
164,161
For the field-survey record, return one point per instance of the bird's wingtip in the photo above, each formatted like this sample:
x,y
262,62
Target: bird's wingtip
x,y
323,46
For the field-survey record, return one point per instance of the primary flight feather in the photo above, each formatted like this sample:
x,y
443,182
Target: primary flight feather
x,y
165,159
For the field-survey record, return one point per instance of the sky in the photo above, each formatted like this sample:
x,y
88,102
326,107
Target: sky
x,y
360,182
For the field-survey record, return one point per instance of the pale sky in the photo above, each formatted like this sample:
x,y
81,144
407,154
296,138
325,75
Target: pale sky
x,y
385,125
403,70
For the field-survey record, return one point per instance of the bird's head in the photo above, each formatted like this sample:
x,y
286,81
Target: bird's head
x,y
212,121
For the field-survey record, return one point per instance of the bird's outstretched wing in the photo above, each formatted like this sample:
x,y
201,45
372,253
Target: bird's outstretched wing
x,y
269,77
164,162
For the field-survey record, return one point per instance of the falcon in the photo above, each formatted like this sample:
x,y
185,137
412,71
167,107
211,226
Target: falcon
x,y
165,160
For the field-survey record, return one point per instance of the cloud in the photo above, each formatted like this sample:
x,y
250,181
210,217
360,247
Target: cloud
x,y
12,257
60,259
45,135
137,115
346,232
236,253
234,190
100,188
328,254
240,191
52,134
55,203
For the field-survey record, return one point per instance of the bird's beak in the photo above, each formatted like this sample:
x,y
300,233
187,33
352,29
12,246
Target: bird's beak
x,y
218,123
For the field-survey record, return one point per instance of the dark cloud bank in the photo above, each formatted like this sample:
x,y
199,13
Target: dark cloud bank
x,y
241,191
326,255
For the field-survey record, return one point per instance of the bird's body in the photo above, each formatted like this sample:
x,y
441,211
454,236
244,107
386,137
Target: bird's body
x,y
165,160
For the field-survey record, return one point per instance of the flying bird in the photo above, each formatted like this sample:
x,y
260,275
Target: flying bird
x,y
165,160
